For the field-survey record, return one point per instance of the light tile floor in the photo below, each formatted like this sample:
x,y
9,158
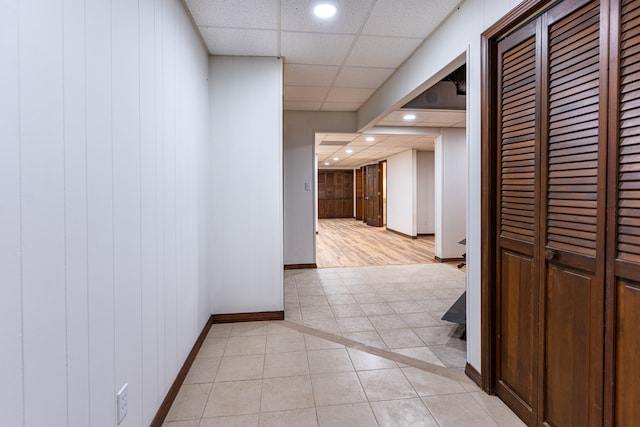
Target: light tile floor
x,y
395,307
361,346
286,374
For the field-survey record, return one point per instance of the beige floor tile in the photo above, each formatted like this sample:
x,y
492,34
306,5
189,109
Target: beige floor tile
x,y
434,335
419,320
364,361
238,368
387,321
354,324
278,328
249,329
312,300
285,343
420,353
386,384
220,330
498,410
369,338
455,410
368,298
232,421
451,357
326,325
286,364
333,360
295,418
189,403
213,347
428,384
337,388
376,309
293,315
340,299
203,370
403,412
347,310
334,289
280,394
354,415
402,307
401,338
310,291
191,423
314,343
316,312
241,346
234,398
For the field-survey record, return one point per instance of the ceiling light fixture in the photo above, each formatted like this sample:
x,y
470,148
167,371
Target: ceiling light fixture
x,y
349,151
335,159
327,163
409,117
370,139
324,10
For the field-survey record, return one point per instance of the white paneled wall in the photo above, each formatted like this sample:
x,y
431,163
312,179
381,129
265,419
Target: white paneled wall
x,y
103,206
425,209
402,193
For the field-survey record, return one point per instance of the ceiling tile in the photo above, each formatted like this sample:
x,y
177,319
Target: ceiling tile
x,y
362,77
262,14
303,93
309,48
229,41
341,106
309,75
381,52
407,18
347,94
301,106
297,15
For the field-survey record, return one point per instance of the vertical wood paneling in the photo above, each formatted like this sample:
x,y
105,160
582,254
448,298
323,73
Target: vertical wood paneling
x,y
150,393
10,222
43,216
100,214
75,203
125,94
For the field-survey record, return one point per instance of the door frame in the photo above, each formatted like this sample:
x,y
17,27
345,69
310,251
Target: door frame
x,y
524,12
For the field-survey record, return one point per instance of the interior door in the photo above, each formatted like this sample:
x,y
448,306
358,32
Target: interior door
x,y
575,143
374,195
364,194
359,195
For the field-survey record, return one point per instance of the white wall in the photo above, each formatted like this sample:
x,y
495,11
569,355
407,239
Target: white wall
x,y
425,205
299,167
456,41
246,138
402,192
103,134
450,193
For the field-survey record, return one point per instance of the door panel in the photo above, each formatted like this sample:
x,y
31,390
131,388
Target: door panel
x,y
359,194
627,410
335,194
374,196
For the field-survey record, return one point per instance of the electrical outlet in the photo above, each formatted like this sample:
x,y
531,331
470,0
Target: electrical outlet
x,y
122,402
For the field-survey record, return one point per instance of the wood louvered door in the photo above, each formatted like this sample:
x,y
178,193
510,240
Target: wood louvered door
x,y
574,144
517,210
624,242
374,195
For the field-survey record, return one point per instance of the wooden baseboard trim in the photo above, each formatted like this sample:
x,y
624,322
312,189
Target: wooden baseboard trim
x,y
162,412
300,266
448,259
401,234
473,374
247,317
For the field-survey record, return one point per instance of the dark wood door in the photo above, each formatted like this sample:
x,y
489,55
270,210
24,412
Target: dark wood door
x,y
335,193
552,218
364,193
359,195
374,195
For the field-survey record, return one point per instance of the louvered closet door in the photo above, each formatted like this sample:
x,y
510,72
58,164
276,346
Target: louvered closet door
x,y
574,144
517,288
626,199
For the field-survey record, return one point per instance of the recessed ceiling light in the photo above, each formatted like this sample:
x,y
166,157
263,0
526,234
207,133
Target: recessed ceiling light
x,y
370,139
327,163
335,159
324,10
349,151
409,117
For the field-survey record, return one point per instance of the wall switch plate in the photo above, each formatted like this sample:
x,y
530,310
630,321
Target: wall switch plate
x,y
122,402
307,186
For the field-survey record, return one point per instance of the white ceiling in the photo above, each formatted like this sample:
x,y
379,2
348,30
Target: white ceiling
x,y
334,64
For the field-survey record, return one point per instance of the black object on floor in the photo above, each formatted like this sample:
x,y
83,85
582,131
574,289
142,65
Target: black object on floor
x,y
457,313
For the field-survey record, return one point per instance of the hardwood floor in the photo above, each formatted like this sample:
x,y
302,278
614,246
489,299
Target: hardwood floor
x,y
347,242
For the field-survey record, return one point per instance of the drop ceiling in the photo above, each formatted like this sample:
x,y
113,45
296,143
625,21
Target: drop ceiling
x,y
334,64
